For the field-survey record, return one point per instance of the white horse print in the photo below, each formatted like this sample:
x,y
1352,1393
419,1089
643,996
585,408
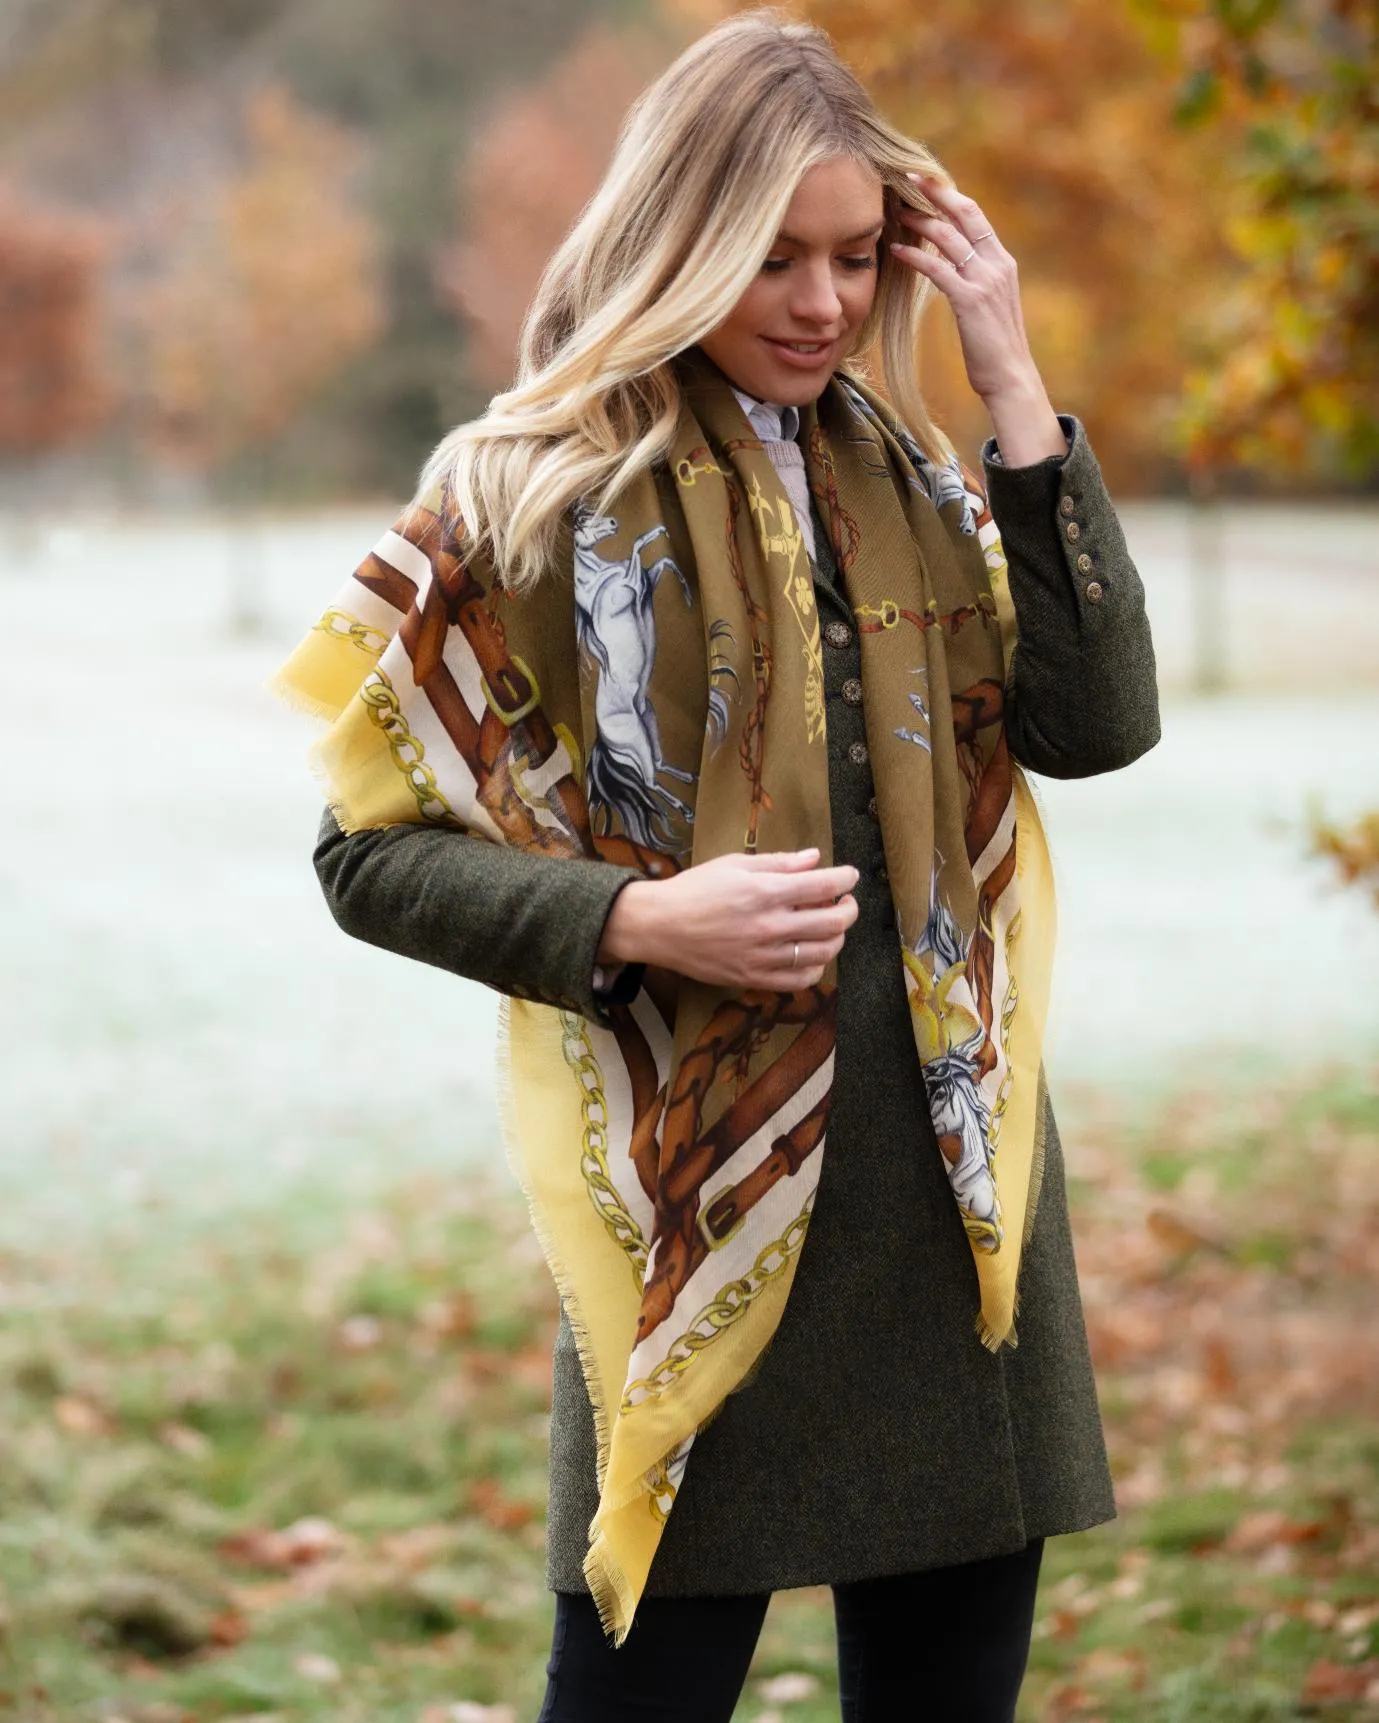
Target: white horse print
x,y
615,625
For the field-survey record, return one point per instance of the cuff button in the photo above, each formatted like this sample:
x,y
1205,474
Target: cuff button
x,y
1094,590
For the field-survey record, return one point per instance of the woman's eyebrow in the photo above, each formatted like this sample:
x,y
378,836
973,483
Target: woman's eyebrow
x,y
852,239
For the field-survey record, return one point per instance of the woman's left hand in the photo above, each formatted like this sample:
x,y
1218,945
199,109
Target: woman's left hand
x,y
978,277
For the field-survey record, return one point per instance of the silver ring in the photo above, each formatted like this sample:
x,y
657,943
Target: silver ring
x,y
966,260
989,234
795,957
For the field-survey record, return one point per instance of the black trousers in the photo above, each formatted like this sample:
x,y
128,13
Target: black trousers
x,y
946,1646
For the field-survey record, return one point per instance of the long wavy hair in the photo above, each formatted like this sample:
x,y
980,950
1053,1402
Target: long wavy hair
x,y
706,164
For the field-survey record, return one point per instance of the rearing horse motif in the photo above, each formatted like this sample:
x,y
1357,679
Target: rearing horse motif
x,y
615,625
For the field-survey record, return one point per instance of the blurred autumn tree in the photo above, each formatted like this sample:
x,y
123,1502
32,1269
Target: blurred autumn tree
x,y
127,107
53,390
1288,92
270,286
530,173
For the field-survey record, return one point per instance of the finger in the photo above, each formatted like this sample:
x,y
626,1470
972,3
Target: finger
x,y
942,271
828,922
788,980
964,212
944,235
778,861
823,885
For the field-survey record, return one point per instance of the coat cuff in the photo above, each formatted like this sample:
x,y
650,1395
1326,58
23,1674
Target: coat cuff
x,y
1058,525
594,887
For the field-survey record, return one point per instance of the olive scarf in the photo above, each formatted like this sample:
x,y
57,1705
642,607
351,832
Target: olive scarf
x,y
657,701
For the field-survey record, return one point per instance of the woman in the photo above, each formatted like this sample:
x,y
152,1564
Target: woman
x,y
718,649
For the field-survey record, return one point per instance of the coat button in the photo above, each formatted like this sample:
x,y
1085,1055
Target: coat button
x,y
1084,564
1094,590
1074,532
1065,505
838,634
872,810
859,754
852,691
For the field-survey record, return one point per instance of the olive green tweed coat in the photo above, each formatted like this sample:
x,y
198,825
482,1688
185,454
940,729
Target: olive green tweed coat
x,y
877,1435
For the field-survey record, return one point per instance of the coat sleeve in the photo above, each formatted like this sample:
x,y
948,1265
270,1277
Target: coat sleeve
x,y
527,925
1081,694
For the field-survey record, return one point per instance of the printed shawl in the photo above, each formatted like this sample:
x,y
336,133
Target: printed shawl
x,y
658,703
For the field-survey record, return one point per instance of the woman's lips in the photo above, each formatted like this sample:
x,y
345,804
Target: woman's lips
x,y
804,361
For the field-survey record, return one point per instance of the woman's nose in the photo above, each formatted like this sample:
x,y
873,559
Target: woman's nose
x,y
815,299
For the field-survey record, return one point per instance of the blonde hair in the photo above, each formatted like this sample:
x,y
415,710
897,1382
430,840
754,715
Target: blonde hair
x,y
706,164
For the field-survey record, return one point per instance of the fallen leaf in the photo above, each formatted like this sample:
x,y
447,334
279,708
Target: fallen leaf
x,y
315,1666
501,1511
1329,1680
184,1440
230,1627
1180,1235
449,1318
301,1544
785,1689
359,1333
79,1417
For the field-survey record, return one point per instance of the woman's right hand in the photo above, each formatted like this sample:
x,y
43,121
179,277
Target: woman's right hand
x,y
736,921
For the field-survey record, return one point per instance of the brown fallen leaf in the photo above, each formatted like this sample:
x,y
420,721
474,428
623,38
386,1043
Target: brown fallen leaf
x,y
1329,1680
230,1627
1182,1236
184,1440
501,1511
301,1544
82,1417
448,1318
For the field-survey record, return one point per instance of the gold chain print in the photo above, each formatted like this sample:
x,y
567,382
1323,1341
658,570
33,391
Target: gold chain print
x,y
725,1309
593,1107
380,697
340,625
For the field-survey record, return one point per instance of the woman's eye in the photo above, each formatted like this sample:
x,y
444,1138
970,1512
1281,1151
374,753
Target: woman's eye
x,y
774,265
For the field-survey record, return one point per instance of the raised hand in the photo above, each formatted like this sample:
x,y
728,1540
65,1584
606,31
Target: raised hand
x,y
979,278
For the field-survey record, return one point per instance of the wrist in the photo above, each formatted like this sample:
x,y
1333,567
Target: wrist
x,y
629,932
1025,425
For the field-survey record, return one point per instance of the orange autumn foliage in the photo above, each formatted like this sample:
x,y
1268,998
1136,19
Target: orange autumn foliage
x,y
53,390
536,163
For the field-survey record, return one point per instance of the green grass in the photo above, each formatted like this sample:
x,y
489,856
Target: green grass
x,y
297,1472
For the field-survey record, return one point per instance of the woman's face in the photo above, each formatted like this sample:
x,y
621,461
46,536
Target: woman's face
x,y
797,322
